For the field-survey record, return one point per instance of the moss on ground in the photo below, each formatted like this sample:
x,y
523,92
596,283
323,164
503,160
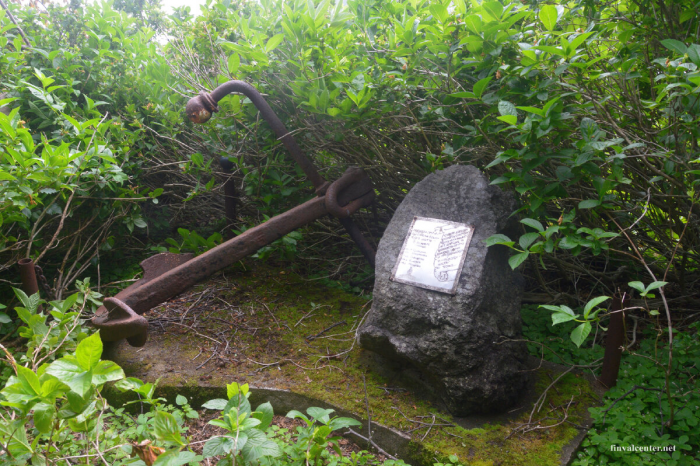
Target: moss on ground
x,y
286,332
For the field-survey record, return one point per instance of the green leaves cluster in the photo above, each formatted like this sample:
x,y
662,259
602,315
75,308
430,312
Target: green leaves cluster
x,y
640,417
58,397
312,440
67,158
246,428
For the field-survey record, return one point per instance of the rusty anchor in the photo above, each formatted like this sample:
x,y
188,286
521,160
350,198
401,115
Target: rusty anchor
x,y
166,274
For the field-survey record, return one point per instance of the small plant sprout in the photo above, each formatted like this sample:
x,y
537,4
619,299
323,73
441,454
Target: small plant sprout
x,y
563,313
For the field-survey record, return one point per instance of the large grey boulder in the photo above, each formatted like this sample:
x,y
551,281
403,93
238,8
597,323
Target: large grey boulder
x,y
453,344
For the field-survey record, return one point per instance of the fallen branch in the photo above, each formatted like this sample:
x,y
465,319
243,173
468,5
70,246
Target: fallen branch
x,y
312,337
379,449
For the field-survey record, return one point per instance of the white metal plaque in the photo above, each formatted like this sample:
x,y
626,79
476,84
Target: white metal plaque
x,y
433,254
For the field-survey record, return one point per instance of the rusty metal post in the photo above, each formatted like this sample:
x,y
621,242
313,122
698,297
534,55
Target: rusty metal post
x,y
230,191
28,275
614,340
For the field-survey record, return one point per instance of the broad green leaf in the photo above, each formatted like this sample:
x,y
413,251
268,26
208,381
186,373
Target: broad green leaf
x,y
249,423
274,42
89,351
106,371
4,176
218,403
475,24
342,423
439,11
509,119
294,414
579,40
686,15
463,95
639,286
550,104
480,86
180,400
498,239
218,446
265,414
259,446
17,435
176,457
551,230
516,260
507,108
238,402
549,15
77,404
234,61
43,415
675,45
578,336
550,49
319,414
51,387
654,286
22,296
559,317
495,9
73,122
165,428
232,390
70,373
4,318
561,308
527,239
128,384
30,381
531,222
588,204
694,54
590,305
535,110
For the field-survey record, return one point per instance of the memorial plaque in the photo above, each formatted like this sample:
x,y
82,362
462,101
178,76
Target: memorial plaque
x,y
433,254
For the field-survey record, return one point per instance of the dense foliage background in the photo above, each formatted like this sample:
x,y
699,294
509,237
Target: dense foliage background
x,y
589,111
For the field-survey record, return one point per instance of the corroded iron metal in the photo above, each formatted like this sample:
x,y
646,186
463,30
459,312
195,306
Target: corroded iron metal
x,y
119,321
27,274
166,275
614,340
199,109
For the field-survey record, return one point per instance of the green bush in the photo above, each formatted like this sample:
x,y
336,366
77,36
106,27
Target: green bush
x,y
52,409
67,158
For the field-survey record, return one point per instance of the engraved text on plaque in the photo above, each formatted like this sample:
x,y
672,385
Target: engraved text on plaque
x,y
433,254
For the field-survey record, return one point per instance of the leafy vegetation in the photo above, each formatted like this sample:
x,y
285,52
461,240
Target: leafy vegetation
x,y
587,110
53,411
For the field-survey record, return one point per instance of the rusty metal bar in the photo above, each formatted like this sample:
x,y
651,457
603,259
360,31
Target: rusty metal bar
x,y
365,247
170,281
614,340
167,275
200,108
28,275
